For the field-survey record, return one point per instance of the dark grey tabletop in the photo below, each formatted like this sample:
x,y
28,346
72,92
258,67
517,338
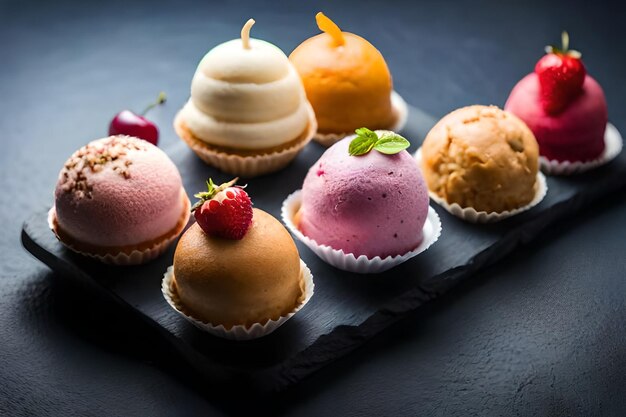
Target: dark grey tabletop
x,y
543,333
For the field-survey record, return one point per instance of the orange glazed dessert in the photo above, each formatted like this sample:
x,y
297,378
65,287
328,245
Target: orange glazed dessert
x,y
346,80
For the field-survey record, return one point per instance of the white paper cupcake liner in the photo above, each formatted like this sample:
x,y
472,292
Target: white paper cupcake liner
x,y
348,261
471,215
238,332
135,257
247,166
400,109
613,144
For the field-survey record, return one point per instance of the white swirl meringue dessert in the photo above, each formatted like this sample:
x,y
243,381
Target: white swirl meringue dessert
x,y
248,113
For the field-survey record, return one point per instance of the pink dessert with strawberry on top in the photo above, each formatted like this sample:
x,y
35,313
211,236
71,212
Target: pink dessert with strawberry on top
x,y
563,106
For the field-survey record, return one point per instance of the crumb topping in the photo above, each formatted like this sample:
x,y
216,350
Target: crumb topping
x,y
94,157
490,167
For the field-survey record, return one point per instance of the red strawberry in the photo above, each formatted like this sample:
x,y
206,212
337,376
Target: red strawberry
x,y
561,76
224,211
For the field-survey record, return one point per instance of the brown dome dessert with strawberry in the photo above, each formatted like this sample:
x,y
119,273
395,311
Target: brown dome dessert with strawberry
x,y
563,106
237,265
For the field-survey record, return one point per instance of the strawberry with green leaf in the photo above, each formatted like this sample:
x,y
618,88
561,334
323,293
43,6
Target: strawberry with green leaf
x,y
561,76
224,210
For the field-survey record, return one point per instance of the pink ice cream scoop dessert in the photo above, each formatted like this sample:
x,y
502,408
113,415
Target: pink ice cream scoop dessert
x,y
563,106
374,204
119,193
575,134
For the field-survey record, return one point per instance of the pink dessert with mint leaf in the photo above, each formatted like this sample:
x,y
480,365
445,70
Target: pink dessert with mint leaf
x,y
365,196
563,106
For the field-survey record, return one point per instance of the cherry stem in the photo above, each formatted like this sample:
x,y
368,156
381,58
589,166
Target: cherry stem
x,y
160,100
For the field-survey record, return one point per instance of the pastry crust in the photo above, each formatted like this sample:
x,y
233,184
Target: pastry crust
x,y
232,282
246,163
194,143
106,252
481,157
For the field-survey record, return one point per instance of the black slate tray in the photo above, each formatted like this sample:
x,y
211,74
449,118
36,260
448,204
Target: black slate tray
x,y
347,309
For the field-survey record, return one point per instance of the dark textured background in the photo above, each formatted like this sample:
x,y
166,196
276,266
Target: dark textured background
x,y
541,334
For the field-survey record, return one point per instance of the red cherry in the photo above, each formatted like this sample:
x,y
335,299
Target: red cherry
x,y
128,123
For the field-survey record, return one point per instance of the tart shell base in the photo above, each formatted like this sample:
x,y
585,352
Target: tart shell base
x,y
246,164
130,255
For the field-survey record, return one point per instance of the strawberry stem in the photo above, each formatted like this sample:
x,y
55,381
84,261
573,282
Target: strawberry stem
x,y
212,190
160,100
564,49
564,41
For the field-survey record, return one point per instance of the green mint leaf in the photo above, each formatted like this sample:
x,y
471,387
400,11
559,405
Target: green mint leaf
x,y
363,142
361,145
365,132
391,143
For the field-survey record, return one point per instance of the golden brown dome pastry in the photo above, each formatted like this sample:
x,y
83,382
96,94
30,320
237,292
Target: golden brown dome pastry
x,y
481,157
239,282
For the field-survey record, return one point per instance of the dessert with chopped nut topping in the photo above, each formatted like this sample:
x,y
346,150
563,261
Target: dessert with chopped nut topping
x,y
119,199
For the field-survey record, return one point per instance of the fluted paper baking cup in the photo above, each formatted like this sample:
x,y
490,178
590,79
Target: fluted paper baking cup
x,y
470,214
131,257
612,147
238,332
400,110
348,261
251,165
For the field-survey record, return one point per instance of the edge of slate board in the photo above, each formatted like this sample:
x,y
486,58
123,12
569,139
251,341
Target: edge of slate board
x,y
342,339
